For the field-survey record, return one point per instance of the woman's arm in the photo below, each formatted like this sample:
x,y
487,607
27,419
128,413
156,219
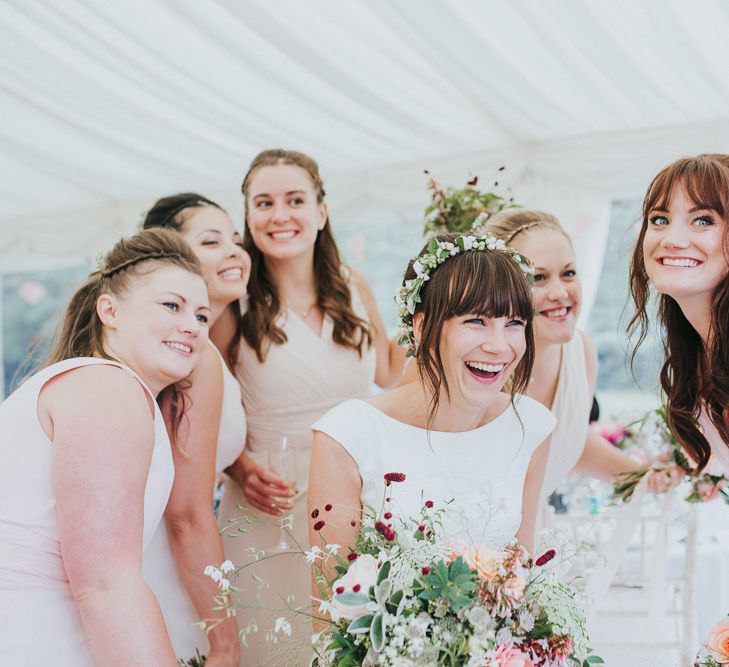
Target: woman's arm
x,y
103,436
390,356
602,460
191,525
333,480
531,497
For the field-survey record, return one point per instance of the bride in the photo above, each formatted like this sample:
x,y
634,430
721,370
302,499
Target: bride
x,y
458,434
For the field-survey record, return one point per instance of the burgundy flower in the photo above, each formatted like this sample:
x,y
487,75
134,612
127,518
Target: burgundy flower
x,y
352,557
387,515
425,570
394,477
545,557
429,503
315,513
328,507
380,527
390,535
319,525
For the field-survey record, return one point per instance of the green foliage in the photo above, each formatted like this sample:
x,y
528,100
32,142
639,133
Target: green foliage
x,y
456,209
452,583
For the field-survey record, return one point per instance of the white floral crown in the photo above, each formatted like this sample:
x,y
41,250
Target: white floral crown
x,y
435,254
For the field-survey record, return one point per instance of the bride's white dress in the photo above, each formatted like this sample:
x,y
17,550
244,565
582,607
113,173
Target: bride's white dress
x,y
477,475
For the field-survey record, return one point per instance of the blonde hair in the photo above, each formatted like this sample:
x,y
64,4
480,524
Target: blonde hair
x,y
511,222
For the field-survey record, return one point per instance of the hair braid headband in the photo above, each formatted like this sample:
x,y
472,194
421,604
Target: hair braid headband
x,y
436,253
108,271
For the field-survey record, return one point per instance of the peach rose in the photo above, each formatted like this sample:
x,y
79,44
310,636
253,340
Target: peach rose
x,y
485,561
718,644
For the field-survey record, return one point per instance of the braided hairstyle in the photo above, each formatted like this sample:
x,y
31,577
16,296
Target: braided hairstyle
x,y
81,332
510,222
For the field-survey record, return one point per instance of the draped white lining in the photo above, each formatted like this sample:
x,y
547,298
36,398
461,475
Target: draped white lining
x,y
108,106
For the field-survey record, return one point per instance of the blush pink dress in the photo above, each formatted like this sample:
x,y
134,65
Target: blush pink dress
x,y
283,396
158,565
39,619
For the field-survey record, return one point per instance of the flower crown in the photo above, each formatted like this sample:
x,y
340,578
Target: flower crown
x,y
435,254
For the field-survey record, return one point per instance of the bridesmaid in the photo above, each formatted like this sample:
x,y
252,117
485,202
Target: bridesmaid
x,y
565,368
85,463
211,438
310,338
681,251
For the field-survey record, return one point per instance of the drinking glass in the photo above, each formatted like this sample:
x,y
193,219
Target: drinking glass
x,y
282,460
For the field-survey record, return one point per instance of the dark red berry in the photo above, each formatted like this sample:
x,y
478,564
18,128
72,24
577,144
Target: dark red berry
x,y
545,557
319,525
328,507
340,590
352,557
315,513
353,523
394,477
429,503
425,570
421,528
356,588
387,515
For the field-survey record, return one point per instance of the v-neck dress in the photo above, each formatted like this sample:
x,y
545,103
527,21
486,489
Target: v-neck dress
x,y
283,396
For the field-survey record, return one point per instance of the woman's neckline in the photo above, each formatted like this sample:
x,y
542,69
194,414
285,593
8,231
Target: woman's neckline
x,y
489,423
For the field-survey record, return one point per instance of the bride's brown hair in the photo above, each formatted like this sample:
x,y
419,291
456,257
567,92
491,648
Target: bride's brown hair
x,y
334,298
487,283
691,373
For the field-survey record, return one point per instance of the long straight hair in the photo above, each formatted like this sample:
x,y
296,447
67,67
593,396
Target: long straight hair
x,y
691,373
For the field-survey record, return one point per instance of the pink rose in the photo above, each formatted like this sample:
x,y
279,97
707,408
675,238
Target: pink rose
x,y
507,655
707,491
718,644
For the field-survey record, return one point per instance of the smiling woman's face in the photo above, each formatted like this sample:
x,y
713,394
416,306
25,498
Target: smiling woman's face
x,y
683,249
557,291
284,216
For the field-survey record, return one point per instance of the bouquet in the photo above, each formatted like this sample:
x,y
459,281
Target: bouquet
x,y
650,438
406,598
716,650
463,210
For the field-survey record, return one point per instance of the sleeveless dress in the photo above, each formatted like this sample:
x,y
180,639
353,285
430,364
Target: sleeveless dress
x,y
482,471
571,407
158,565
39,619
283,396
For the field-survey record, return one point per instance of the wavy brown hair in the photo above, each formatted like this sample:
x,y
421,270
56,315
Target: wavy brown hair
x,y
692,374
259,325
81,332
488,283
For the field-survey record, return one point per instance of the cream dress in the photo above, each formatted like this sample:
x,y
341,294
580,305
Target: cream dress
x,y
283,396
158,565
477,476
39,619
571,407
